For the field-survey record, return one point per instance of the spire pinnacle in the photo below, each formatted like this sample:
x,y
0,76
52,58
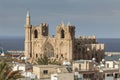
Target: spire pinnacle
x,y
62,24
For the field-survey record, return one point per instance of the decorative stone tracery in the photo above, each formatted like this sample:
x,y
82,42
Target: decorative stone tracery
x,y
48,50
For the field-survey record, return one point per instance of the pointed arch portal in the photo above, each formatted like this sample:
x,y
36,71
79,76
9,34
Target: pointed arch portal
x,y
48,50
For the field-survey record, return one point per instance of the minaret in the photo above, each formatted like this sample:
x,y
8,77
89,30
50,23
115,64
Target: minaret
x,y
28,18
28,27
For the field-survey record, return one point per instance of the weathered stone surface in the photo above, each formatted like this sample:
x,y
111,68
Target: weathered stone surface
x,y
63,45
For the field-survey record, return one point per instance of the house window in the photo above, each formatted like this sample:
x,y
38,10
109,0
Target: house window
x,y
107,65
79,66
45,71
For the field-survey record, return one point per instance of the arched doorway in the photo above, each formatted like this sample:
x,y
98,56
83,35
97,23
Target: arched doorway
x,y
48,50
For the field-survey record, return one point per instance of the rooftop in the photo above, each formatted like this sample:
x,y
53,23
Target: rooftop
x,y
82,61
112,58
48,66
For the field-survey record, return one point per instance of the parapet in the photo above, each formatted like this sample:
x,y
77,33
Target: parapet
x,y
97,46
43,24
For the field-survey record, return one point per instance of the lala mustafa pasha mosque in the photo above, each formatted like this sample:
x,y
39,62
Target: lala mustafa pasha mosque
x,y
62,46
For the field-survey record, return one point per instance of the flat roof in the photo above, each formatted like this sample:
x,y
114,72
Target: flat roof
x,y
82,61
48,66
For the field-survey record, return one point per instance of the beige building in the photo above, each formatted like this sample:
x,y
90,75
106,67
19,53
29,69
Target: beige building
x,y
45,71
84,65
62,46
86,68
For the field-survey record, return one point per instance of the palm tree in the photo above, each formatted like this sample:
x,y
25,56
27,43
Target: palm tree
x,y
6,72
44,60
54,61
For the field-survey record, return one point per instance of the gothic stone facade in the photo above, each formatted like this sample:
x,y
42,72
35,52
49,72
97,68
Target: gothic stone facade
x,y
63,45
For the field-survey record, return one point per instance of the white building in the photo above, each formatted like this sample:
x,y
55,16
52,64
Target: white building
x,y
29,75
84,65
111,64
22,67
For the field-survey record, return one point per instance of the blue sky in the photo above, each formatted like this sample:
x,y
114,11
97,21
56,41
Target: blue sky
x,y
91,17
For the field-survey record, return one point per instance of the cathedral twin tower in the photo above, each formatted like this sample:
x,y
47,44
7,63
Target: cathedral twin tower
x,y
63,45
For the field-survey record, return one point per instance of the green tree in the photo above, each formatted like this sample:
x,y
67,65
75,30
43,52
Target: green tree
x,y
6,72
44,60
54,61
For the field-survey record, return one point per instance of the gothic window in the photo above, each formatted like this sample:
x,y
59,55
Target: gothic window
x,y
57,56
35,34
36,55
48,50
75,47
30,55
62,55
78,43
79,49
62,33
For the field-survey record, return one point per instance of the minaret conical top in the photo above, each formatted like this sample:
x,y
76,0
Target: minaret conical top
x,y
28,18
28,13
